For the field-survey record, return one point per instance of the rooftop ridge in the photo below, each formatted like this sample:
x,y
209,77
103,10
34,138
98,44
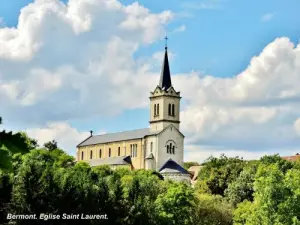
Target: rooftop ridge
x,y
118,132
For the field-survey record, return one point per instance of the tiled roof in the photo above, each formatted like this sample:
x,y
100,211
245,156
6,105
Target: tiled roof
x,y
119,160
195,171
292,158
172,167
112,137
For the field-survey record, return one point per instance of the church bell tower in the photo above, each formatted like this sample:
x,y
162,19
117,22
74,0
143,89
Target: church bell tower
x,y
164,101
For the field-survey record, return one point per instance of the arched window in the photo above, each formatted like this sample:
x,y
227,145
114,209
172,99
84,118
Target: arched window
x,y
169,110
173,110
151,146
154,109
109,152
157,109
100,153
91,154
82,155
119,151
171,145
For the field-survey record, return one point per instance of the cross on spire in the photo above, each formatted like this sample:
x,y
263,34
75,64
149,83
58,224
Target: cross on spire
x,y
165,77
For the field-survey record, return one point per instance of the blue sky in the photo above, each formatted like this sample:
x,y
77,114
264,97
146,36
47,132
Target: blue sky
x,y
220,39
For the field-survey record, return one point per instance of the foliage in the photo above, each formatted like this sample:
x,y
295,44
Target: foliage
x,y
51,145
212,209
242,188
228,190
5,194
276,197
11,144
218,173
176,205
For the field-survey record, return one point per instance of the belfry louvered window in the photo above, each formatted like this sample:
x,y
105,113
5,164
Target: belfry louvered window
x,y
173,110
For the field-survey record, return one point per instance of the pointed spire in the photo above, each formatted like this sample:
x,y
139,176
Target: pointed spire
x,y
165,76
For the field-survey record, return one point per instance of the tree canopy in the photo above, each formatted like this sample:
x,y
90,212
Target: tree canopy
x,y
229,190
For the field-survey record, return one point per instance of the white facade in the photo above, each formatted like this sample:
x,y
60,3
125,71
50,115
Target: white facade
x,y
170,135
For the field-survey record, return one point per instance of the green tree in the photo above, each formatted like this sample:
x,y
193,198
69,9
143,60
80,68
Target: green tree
x,y
176,205
242,188
218,173
51,145
212,210
11,144
276,197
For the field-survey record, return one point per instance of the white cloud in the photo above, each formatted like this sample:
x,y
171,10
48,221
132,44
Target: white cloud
x,y
202,5
253,111
75,57
66,136
202,153
74,61
267,17
179,29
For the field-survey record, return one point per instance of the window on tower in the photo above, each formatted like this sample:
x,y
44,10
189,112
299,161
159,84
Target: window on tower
x,y
157,109
173,110
171,147
154,109
169,110
151,147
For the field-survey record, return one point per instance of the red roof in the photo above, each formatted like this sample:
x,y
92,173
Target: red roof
x,y
292,158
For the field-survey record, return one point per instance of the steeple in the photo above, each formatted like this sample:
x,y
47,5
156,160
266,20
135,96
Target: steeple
x,y
164,100
165,76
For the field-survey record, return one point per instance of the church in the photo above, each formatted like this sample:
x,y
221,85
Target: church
x,y
159,147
